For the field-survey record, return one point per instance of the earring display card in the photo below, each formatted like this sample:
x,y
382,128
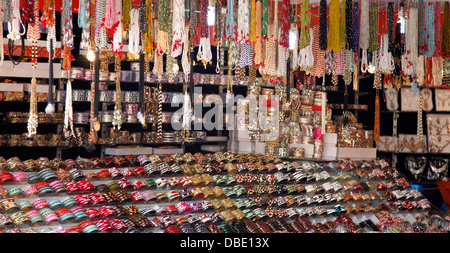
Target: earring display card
x,y
388,144
391,95
438,128
442,98
409,102
427,99
408,143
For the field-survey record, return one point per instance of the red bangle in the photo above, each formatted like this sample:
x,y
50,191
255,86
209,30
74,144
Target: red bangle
x,y
72,186
92,212
85,223
97,198
83,199
62,211
103,224
41,184
107,211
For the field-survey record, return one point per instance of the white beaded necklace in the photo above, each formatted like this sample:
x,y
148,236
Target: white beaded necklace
x,y
178,27
16,23
364,34
133,43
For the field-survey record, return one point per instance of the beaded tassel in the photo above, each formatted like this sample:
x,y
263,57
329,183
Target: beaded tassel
x,y
376,129
33,117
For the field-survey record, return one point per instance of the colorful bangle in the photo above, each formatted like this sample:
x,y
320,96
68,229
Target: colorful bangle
x,y
92,213
19,176
19,218
107,211
83,199
15,192
34,216
103,225
25,205
9,204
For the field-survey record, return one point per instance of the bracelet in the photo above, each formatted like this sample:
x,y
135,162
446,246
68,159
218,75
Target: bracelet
x,y
83,199
97,198
103,225
15,192
35,217
18,177
107,211
5,220
25,205
92,213
57,186
86,185
19,218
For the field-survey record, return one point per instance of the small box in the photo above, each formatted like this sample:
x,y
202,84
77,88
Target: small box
x,y
329,152
129,151
246,146
356,153
309,149
330,138
260,147
167,151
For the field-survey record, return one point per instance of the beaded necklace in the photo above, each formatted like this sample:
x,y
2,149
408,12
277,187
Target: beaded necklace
x,y
117,36
391,26
283,39
437,29
306,56
159,51
117,115
334,42
355,30
342,27
229,31
446,31
305,37
133,40
364,34
349,23
111,17
429,41
15,25
178,27
126,14
258,35
252,35
33,34
269,70
318,69
373,37
421,26
323,25
82,10
409,59
68,33
204,51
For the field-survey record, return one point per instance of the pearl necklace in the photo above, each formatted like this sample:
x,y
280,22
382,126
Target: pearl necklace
x,y
133,42
178,27
16,23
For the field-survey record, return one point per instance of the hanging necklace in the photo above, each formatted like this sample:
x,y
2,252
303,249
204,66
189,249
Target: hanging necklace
x,y
178,27
204,51
318,68
421,25
68,34
334,42
323,44
437,30
133,41
429,30
258,36
117,115
15,25
373,36
364,34
355,30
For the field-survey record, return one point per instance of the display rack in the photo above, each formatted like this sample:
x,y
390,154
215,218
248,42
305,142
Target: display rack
x,y
214,194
